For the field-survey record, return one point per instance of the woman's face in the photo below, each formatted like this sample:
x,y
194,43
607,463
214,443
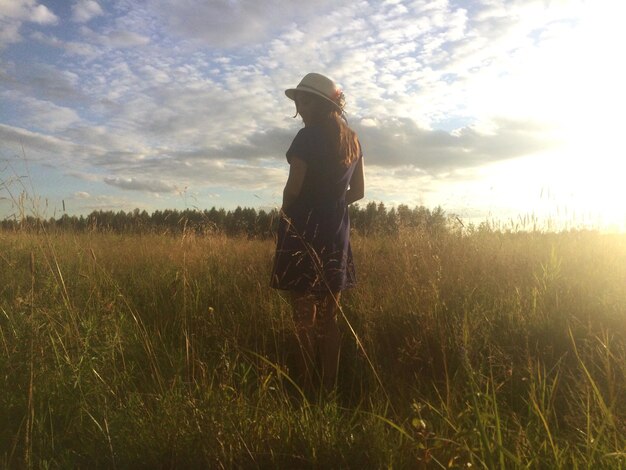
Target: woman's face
x,y
305,103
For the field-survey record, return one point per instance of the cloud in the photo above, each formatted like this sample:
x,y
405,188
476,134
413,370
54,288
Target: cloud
x,y
223,23
34,143
158,100
271,143
135,184
78,48
168,175
82,202
121,39
94,44
399,141
42,80
85,10
27,10
114,39
49,116
9,32
42,114
41,15
13,13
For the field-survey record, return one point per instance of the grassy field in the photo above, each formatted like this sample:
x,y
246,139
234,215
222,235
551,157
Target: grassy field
x,y
474,350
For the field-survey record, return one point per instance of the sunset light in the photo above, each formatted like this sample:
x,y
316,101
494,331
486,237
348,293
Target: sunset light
x,y
331,234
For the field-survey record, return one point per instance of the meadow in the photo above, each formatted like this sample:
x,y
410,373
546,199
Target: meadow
x,y
461,349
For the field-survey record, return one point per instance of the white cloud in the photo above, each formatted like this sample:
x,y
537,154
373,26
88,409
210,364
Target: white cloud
x,y
40,14
44,81
13,13
126,39
81,49
42,114
95,44
83,202
35,144
85,10
9,32
72,47
135,184
224,23
27,10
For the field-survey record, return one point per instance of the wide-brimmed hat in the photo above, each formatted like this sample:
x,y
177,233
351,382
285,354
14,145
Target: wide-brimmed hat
x,y
319,85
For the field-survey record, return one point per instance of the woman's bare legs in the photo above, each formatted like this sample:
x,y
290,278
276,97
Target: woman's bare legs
x,y
329,339
304,310
315,319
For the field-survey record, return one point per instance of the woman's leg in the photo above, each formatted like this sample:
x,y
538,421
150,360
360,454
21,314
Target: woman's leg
x,y
329,339
304,311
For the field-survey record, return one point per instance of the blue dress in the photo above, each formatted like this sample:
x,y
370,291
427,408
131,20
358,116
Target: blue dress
x,y
313,245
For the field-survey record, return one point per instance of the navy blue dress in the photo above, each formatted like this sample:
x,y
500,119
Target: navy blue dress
x,y
313,246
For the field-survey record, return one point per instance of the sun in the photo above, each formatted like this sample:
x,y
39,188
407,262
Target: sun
x,y
575,83
592,129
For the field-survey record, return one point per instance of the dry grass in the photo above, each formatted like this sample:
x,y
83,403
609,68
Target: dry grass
x,y
486,349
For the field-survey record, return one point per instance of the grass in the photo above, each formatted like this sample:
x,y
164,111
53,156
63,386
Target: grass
x,y
480,349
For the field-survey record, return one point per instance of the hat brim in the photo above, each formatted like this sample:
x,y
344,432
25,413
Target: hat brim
x,y
291,94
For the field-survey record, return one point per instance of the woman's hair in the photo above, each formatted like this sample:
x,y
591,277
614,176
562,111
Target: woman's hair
x,y
344,139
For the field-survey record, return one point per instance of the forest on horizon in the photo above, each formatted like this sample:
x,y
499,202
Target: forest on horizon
x,y
373,218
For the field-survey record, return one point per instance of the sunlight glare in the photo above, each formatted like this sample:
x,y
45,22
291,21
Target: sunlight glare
x,y
577,87
592,131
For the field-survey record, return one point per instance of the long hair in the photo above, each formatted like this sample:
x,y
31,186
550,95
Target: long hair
x,y
344,141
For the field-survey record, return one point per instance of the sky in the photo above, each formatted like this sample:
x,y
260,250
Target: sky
x,y
505,111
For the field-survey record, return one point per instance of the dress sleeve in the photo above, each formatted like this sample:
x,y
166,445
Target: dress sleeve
x,y
301,146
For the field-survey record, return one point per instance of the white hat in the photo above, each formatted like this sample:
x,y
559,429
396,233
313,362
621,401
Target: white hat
x,y
319,85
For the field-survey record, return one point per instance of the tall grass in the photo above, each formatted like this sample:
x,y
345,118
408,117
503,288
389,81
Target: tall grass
x,y
480,349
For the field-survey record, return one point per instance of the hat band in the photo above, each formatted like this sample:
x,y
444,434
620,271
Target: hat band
x,y
313,89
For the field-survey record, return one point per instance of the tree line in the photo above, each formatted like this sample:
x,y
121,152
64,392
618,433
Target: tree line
x,y
371,219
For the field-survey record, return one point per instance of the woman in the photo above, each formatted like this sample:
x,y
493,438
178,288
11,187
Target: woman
x,y
313,256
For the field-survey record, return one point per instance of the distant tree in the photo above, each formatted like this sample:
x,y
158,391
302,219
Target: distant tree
x,y
373,219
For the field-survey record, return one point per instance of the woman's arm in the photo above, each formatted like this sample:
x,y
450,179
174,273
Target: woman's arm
x,y
297,170
357,184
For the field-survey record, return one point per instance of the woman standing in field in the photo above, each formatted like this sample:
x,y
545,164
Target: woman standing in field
x,y
313,257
